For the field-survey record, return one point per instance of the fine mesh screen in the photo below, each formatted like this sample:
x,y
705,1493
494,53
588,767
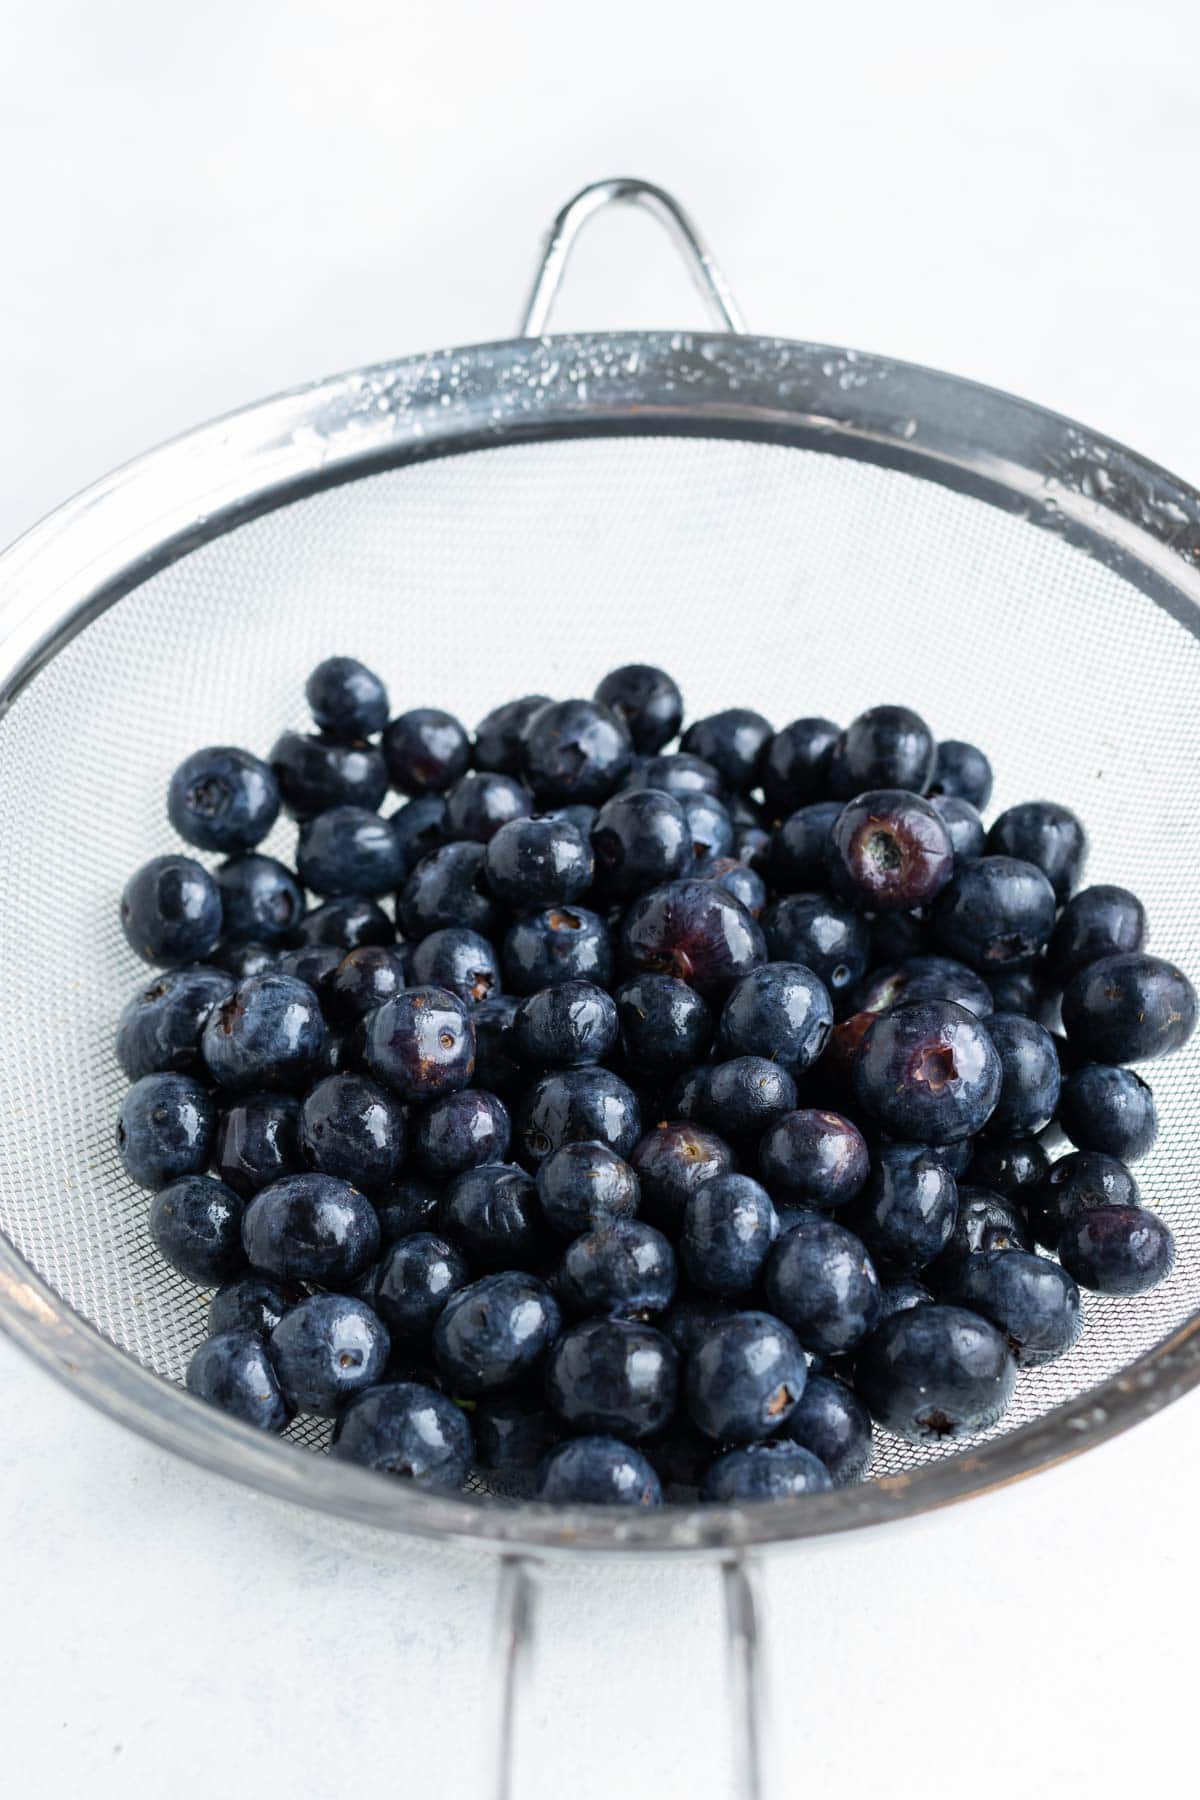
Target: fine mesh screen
x,y
776,578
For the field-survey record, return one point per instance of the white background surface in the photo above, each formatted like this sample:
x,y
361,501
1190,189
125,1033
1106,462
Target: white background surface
x,y
204,204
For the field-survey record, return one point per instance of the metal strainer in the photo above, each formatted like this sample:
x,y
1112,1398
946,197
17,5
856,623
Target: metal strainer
x,y
787,526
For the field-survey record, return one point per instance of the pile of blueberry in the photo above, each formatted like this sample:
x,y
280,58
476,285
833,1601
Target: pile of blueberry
x,y
690,1114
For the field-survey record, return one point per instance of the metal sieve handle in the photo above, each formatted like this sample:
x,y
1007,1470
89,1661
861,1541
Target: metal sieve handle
x,y
654,200
515,1625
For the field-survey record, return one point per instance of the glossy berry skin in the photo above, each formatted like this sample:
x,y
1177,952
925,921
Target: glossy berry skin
x,y
257,1142
363,980
1030,1076
1008,1166
418,827
234,1371
512,1432
831,1421
500,734
425,751
665,1025
165,1129
885,747
1128,1008
597,1471
495,1332
406,1429
251,1303
708,825
624,1268
997,913
740,1098
479,804
347,850
346,699
409,1205
347,924
966,830
738,879
1030,1299
460,1131
269,1033
1020,991
582,1186
647,702
672,1161
935,1374
420,1044
416,1277
907,1212
313,964
694,930
984,1222
678,773
496,1066
575,750
928,1072
729,1226
196,1225
822,934
613,1375
778,1471
798,859
734,742
566,1026
159,1030
241,961
261,900
744,1377
351,1128
900,1294
569,1105
446,888
1117,1249
318,771
1108,1109
780,1010
813,1158
493,1212
559,943
639,840
311,1228
171,911
1096,922
223,799
327,1349
461,961
1080,1182
924,978
889,851
821,1281
961,772
537,862
1044,834
795,765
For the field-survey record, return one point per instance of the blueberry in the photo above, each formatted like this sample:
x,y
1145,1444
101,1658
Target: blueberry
x,y
1117,1249
479,804
418,827
965,828
924,978
583,1185
997,913
734,742
673,1161
243,960
496,1065
1096,922
1008,1166
446,888
738,879
327,1349
409,1205
223,799
679,773
347,850
318,771
568,1105
352,1129
495,1332
311,1228
907,1211
831,1422
196,1225
889,851
646,701
743,1377
407,1429
538,862
799,856
820,1280
425,751
728,1227
624,1267
1020,991
251,1303
234,1371
899,1295
1031,1300
165,1129
315,965
795,765
639,840
498,736
364,979
460,1131
346,699
158,1032
708,826
1108,1109
460,960
961,772
613,1375
896,937
778,1471
740,1098
578,814
421,1043
887,746
693,930
512,1433
935,1373
261,900
560,943
692,1318
820,933
929,1072
171,911
257,1142
575,750
780,1010
565,1027
416,1277
665,1025
985,1222
492,1211
813,1158
269,1033
597,1471
1129,1007
1078,1183
346,923
1030,1076
1044,834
